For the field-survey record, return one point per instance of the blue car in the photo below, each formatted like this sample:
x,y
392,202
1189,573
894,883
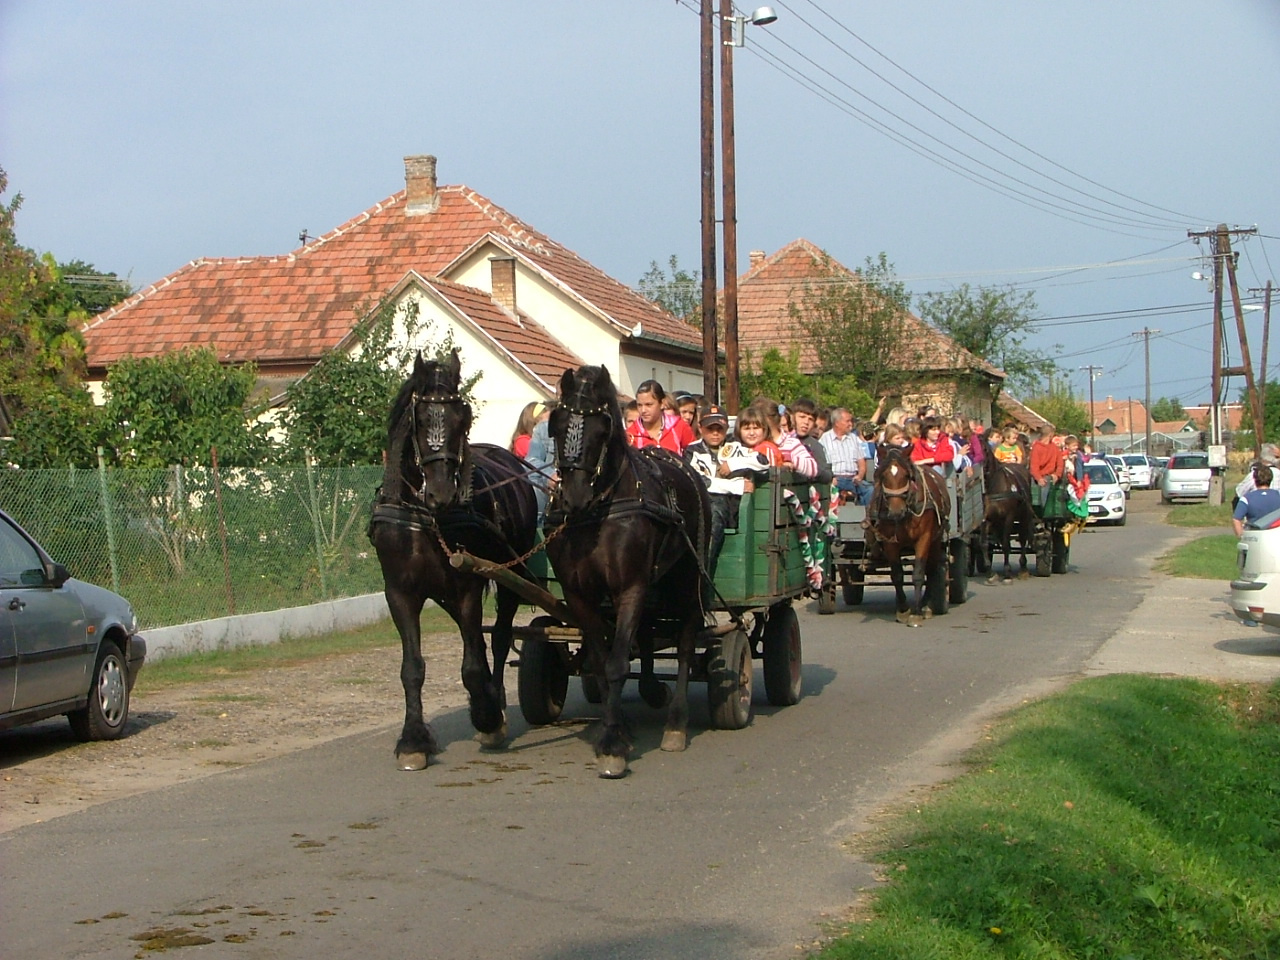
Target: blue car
x,y
66,647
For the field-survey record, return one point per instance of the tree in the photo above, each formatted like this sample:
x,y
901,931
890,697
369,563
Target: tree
x,y
58,429
172,409
778,378
1166,409
86,290
856,324
992,323
337,413
1061,409
679,294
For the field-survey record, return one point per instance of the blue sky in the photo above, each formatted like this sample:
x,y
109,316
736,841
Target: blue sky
x,y
143,134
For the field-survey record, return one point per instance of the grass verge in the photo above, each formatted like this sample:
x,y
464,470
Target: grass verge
x,y
219,664
1200,515
1127,817
1209,558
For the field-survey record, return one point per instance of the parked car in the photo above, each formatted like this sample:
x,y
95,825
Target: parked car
x,y
1106,496
1122,473
1255,593
66,647
1186,477
1141,470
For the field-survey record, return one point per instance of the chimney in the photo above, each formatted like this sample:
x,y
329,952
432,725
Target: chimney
x,y
502,281
757,258
420,185
1111,404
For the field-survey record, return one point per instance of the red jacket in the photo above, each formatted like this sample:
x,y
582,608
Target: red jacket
x,y
940,452
676,435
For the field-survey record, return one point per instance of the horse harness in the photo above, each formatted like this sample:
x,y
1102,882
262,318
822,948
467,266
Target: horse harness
x,y
437,440
917,506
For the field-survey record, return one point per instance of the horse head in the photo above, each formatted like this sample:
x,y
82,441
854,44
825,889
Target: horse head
x,y
894,476
587,429
428,431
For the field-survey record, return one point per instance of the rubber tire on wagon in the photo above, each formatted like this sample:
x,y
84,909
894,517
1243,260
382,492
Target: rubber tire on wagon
x,y
782,656
959,579
729,670
1061,552
852,585
1043,543
937,589
543,677
105,715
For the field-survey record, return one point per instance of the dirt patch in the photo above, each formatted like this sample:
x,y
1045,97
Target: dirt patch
x,y
195,730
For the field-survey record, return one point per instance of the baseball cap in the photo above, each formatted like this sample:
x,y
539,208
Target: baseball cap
x,y
715,414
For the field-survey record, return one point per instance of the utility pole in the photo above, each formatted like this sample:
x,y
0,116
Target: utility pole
x,y
729,208
710,381
1146,333
1266,336
1224,261
1094,372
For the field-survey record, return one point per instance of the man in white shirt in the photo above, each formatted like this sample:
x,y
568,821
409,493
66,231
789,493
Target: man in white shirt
x,y
847,455
1270,456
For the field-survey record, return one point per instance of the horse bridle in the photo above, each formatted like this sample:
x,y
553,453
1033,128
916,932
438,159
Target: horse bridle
x,y
904,491
437,441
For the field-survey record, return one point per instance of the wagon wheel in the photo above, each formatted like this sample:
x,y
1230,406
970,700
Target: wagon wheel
x,y
1043,544
729,672
936,587
852,584
782,659
543,678
827,597
982,552
1061,552
959,580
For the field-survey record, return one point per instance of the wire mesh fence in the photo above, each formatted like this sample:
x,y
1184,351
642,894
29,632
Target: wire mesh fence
x,y
188,543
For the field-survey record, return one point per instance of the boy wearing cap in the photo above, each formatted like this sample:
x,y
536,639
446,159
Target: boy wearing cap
x,y
726,466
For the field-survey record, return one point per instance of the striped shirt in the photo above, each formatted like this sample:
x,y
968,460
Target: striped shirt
x,y
845,454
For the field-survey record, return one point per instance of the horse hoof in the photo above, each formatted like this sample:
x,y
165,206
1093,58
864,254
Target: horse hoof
x,y
1024,575
927,613
673,741
914,621
412,761
993,579
495,740
611,768
904,616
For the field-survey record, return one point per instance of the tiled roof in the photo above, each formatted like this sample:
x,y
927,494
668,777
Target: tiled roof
x,y
1119,413
519,337
1233,415
296,306
766,291
1020,411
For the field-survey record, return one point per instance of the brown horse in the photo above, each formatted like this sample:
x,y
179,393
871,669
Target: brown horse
x,y
1006,505
909,510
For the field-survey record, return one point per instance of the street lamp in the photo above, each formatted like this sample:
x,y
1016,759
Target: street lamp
x,y
732,34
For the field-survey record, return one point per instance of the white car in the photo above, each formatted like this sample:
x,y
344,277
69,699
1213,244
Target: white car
x,y
1255,593
1141,470
1187,476
1122,473
1106,496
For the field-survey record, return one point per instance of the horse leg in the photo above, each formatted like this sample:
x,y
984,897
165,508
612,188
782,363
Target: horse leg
x,y
489,713
652,690
1028,531
417,743
614,745
900,595
676,735
918,580
486,712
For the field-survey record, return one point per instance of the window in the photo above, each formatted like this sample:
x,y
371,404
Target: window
x,y
19,562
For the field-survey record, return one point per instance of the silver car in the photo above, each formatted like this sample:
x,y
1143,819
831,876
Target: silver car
x,y
1141,470
66,647
1186,477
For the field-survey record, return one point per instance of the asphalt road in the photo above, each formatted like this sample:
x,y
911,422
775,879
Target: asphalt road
x,y
731,849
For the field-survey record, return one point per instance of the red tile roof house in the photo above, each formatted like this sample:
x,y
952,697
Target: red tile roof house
x,y
944,374
520,306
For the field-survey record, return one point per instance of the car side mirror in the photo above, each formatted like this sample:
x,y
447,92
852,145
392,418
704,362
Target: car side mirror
x,y
59,575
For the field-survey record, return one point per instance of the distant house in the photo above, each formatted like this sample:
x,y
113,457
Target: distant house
x,y
521,306
942,373
1021,413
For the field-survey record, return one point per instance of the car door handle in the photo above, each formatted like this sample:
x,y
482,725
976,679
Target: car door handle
x,y
16,604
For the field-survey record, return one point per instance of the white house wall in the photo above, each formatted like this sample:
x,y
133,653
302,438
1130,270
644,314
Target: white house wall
x,y
672,376
563,317
501,392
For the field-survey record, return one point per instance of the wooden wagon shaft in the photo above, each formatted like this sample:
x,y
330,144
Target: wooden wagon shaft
x,y
517,584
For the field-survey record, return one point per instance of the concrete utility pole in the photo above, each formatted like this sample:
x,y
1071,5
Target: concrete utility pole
x,y
1146,333
710,381
1266,336
1224,261
1094,372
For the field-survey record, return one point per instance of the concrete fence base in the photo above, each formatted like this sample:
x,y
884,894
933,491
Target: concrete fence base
x,y
225,633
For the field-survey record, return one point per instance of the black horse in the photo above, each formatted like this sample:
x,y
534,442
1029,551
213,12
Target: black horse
x,y
636,528
1006,506
910,507
441,494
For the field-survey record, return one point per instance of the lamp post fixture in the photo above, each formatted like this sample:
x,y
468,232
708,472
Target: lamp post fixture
x,y
732,34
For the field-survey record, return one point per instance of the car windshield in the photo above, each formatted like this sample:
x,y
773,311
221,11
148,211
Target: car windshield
x,y
1190,461
1099,472
1136,461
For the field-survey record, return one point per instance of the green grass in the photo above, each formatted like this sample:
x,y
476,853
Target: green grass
x,y
1210,557
219,664
1127,817
1200,515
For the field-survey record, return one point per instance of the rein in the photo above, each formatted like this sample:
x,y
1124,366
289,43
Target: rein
x,y
436,440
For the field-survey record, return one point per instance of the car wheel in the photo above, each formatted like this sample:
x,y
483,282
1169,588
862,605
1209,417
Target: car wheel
x,y
1119,521
107,711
